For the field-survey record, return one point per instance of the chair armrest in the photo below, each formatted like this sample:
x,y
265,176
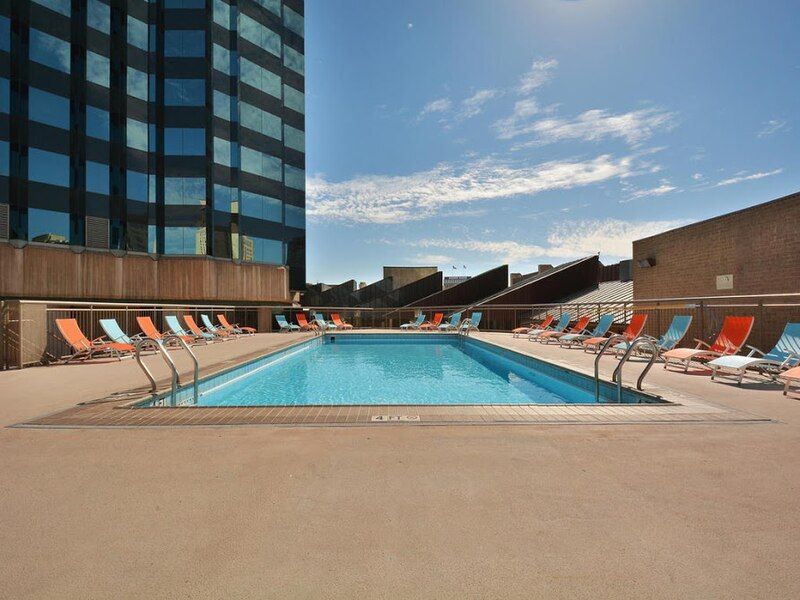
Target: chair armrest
x,y
701,343
753,351
788,359
100,340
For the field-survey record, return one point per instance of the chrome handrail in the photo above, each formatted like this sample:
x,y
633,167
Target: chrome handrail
x,y
642,340
175,382
613,339
139,345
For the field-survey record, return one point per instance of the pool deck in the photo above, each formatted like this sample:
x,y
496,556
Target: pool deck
x,y
702,507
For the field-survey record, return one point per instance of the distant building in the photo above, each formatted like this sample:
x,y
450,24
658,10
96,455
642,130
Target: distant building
x,y
453,280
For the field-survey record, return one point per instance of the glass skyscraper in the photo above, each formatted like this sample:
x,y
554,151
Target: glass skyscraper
x,y
168,127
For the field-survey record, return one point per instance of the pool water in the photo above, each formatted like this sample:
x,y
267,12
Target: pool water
x,y
396,370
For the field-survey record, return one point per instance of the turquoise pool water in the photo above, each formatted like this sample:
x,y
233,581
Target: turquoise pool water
x,y
396,369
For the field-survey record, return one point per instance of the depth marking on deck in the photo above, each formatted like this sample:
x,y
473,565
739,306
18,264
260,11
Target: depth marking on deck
x,y
386,418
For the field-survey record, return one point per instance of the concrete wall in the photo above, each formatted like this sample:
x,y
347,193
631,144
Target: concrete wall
x,y
402,276
758,246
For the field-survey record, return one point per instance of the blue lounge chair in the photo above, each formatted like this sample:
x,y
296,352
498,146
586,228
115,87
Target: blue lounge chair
x,y
284,325
214,330
784,355
604,323
672,337
323,324
472,323
415,324
455,319
560,326
115,333
175,327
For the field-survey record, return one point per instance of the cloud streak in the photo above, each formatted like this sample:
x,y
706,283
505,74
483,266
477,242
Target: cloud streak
x,y
540,73
742,176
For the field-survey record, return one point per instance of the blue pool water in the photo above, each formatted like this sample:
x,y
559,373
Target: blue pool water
x,y
397,369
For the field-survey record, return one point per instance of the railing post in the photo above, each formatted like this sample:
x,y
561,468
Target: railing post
x,y
702,321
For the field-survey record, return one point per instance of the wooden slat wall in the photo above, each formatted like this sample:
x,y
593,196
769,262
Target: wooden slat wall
x,y
37,272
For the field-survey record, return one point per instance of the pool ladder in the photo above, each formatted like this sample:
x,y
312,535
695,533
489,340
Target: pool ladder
x,y
463,330
617,376
162,349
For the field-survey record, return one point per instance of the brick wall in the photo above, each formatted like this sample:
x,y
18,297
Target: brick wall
x,y
759,246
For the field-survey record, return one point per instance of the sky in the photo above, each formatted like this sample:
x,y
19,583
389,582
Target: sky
x,y
470,134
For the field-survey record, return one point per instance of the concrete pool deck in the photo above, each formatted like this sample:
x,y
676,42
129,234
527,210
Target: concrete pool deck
x,y
701,509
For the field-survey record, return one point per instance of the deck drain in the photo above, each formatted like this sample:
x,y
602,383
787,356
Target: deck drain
x,y
386,418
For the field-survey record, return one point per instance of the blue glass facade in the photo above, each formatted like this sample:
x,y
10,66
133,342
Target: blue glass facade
x,y
180,122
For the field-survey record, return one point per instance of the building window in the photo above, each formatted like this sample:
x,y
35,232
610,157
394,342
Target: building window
x,y
184,240
294,177
259,35
98,69
49,51
48,108
96,177
259,78
185,92
294,60
185,191
5,96
48,167
222,105
98,16
97,123
225,198
255,249
184,4
295,216
185,43
4,158
184,141
261,164
59,6
137,84
273,6
294,138
222,60
258,120
48,226
137,134
294,99
5,34
293,21
222,14
260,207
137,33
136,185
222,152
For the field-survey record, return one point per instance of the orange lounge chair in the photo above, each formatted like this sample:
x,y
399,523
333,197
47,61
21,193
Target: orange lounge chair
x,y
339,323
732,336
197,332
302,321
434,324
790,376
83,348
541,326
578,328
151,331
235,328
631,332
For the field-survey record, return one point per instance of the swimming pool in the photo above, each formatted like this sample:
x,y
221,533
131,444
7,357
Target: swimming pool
x,y
397,369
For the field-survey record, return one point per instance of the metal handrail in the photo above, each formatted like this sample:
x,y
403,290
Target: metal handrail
x,y
612,340
139,345
175,382
617,376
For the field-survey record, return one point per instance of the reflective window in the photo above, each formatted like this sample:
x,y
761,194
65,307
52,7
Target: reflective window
x,y
222,13
187,43
261,250
137,33
259,120
222,105
222,60
60,6
137,134
294,138
5,96
48,108
225,198
223,154
294,177
184,141
137,84
98,16
271,5
49,51
293,21
184,240
294,60
4,157
184,3
260,207
260,35
294,99
97,123
48,226
185,92
48,167
187,191
5,34
98,69
96,177
295,216
136,184
261,164
259,78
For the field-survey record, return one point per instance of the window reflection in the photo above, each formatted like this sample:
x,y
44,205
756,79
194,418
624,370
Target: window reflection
x,y
48,226
49,50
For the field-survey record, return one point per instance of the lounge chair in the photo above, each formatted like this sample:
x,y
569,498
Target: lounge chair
x,y
150,331
339,323
415,324
732,336
673,336
214,330
604,323
790,376
85,349
433,323
115,334
472,323
455,320
303,323
631,332
784,355
322,323
236,328
543,326
284,325
561,325
578,329
175,327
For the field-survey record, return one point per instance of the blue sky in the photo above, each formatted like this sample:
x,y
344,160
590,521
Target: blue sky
x,y
474,133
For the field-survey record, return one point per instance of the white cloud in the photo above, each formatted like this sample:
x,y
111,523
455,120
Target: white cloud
x,y
431,260
473,106
697,176
440,105
743,176
422,195
409,26
518,122
772,127
539,74
665,187
593,125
